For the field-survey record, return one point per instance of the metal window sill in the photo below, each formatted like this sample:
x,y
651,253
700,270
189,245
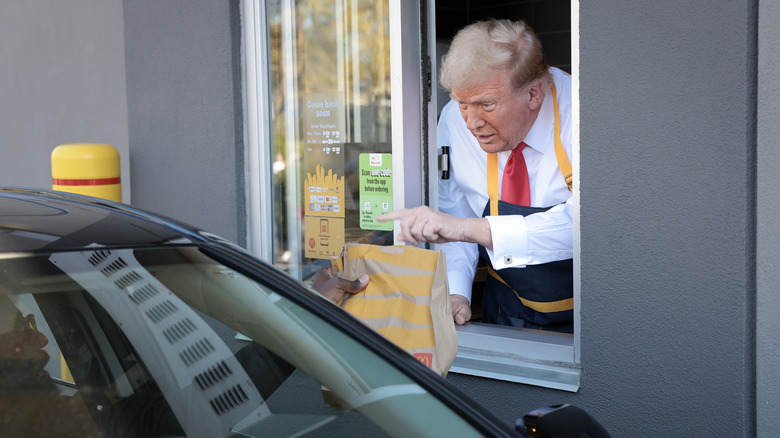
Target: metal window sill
x,y
525,356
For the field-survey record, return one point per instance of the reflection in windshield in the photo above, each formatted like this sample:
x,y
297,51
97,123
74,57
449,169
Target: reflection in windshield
x,y
189,350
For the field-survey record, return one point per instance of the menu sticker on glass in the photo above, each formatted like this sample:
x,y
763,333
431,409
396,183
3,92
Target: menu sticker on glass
x,y
324,214
376,190
323,188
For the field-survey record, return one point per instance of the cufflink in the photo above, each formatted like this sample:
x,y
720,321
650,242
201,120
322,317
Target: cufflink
x,y
508,259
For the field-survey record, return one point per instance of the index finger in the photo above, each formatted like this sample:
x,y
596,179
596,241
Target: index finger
x,y
393,215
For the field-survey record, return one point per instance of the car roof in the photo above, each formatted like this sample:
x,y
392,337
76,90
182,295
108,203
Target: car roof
x,y
33,220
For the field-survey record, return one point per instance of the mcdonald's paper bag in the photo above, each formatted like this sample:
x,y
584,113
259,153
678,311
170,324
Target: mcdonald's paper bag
x,y
407,299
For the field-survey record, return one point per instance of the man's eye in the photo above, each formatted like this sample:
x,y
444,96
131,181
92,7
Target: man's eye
x,y
489,106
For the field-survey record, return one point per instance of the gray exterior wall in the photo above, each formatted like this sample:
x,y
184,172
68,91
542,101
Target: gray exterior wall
x,y
185,112
768,228
62,80
668,222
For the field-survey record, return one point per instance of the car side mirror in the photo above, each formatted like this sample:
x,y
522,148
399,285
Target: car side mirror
x,y
560,421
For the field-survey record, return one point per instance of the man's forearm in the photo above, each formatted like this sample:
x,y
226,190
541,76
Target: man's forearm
x,y
477,230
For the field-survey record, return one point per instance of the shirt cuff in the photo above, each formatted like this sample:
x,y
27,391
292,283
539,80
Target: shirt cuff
x,y
510,241
460,284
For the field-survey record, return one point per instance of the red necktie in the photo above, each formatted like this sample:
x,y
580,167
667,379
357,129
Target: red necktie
x,y
514,185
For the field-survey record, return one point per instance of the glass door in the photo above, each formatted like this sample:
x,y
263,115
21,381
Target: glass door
x,y
334,125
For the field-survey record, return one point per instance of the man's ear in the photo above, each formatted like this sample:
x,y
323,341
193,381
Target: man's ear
x,y
536,96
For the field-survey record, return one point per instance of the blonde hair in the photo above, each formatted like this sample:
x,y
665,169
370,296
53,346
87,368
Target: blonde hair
x,y
485,47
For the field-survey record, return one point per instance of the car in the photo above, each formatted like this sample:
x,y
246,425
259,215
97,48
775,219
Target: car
x,y
118,322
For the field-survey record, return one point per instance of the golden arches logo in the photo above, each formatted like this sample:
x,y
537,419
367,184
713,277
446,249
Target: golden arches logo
x,y
425,358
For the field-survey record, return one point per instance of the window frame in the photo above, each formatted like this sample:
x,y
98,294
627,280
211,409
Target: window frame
x,y
257,130
525,356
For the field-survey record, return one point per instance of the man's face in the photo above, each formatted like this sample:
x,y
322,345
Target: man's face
x,y
497,114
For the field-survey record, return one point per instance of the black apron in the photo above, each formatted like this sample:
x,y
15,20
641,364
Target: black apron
x,y
536,296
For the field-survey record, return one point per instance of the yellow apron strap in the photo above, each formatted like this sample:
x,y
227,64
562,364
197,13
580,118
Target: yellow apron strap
x,y
563,161
492,182
543,307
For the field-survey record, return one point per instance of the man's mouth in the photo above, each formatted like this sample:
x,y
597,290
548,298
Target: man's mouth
x,y
484,138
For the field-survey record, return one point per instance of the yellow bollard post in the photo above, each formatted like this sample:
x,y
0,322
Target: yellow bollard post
x,y
87,169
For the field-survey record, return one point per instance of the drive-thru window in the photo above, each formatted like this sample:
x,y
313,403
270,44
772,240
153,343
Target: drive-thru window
x,y
342,104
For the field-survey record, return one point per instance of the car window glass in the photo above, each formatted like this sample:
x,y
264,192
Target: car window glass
x,y
131,358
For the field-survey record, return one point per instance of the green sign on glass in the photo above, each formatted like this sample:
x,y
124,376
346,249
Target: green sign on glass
x,y
376,190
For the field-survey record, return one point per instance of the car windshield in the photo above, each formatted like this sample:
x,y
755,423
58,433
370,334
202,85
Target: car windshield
x,y
156,342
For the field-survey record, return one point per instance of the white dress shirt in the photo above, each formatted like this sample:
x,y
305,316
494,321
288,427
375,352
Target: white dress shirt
x,y
517,241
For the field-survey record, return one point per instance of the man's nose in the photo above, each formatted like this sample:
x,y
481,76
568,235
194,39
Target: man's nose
x,y
473,117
